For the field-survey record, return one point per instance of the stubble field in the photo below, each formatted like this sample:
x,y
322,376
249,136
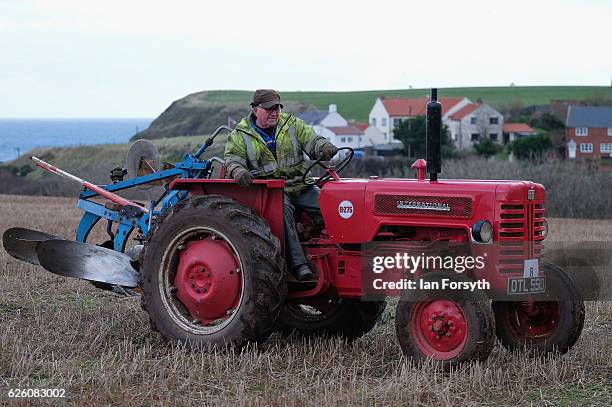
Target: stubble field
x,y
63,333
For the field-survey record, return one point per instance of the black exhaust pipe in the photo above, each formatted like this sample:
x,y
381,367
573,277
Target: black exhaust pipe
x,y
434,136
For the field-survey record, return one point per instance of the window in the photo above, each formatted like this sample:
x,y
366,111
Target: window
x,y
582,131
493,136
373,121
397,122
473,120
493,120
349,139
605,148
586,147
343,139
383,122
609,131
475,136
360,138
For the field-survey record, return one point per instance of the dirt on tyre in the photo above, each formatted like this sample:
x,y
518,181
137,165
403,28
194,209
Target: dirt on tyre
x,y
212,274
449,325
332,317
551,324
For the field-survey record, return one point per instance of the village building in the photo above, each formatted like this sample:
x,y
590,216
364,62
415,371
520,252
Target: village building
x,y
468,122
473,123
588,132
513,131
331,125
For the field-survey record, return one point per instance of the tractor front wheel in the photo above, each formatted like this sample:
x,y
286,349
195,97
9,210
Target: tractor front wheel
x,y
549,325
212,274
452,326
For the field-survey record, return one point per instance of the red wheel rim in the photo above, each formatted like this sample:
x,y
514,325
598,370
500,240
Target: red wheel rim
x,y
439,328
208,280
533,320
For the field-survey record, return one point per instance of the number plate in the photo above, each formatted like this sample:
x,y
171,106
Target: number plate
x,y
529,285
531,268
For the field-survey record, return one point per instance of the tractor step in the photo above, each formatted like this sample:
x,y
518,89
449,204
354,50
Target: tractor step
x,y
294,284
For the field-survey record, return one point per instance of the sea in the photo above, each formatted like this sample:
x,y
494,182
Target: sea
x,y
18,136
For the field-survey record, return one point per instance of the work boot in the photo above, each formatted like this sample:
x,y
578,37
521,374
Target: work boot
x,y
302,272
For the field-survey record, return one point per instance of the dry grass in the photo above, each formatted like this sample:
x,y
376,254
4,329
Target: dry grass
x,y
58,332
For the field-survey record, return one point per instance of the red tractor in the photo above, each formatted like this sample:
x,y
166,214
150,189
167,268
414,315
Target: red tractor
x,y
213,269
212,272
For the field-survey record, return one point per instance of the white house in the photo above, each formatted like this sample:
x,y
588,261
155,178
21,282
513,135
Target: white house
x,y
475,122
322,118
388,113
346,136
371,135
331,125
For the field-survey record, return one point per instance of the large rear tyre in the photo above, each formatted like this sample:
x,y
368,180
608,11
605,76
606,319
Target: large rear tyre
x,y
551,325
340,317
449,325
212,274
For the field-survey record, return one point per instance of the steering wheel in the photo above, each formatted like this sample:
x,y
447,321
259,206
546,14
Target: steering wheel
x,y
331,171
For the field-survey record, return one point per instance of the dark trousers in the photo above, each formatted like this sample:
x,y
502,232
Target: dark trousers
x,y
307,201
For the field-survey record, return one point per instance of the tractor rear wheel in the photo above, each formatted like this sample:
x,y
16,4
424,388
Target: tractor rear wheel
x,y
550,325
212,274
452,326
342,317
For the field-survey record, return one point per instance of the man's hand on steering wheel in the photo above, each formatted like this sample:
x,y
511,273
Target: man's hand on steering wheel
x,y
332,171
328,152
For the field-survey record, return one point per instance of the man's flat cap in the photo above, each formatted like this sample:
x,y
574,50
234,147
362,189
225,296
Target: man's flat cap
x,y
266,98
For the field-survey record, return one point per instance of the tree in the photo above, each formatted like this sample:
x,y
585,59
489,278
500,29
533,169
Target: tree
x,y
548,122
531,146
486,148
412,133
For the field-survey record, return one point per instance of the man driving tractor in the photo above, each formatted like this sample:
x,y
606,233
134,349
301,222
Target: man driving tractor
x,y
269,143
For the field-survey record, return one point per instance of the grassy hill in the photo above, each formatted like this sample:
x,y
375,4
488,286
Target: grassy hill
x,y
197,114
357,105
92,163
202,112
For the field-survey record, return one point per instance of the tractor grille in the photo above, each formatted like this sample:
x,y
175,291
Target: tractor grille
x,y
512,222
418,205
538,221
521,230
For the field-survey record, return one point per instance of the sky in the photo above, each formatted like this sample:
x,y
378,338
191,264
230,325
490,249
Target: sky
x,y
121,58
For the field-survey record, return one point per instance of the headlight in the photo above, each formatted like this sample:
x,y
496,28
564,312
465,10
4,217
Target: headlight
x,y
482,231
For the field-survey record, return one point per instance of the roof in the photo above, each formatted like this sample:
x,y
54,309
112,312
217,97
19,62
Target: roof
x,y
414,106
313,116
517,128
345,130
464,111
361,125
589,116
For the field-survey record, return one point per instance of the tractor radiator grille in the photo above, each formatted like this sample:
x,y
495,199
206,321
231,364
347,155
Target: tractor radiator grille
x,y
512,222
521,230
418,205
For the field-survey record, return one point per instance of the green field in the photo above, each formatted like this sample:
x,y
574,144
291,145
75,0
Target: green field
x,y
356,105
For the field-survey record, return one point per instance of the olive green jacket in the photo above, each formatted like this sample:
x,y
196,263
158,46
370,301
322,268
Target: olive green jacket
x,y
246,149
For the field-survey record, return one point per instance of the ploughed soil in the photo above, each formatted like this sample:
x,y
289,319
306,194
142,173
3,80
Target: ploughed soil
x,y
63,333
